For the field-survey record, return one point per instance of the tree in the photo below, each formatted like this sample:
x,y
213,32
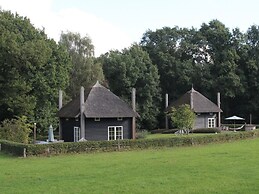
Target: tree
x,y
133,68
85,71
16,129
32,70
183,117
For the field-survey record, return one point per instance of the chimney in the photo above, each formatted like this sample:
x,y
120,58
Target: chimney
x,y
60,98
166,117
191,98
133,98
219,115
82,117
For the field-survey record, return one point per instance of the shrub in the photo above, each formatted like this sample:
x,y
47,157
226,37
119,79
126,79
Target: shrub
x,y
170,131
141,134
17,130
127,144
206,130
158,131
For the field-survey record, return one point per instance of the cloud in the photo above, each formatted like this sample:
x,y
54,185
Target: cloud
x,y
104,34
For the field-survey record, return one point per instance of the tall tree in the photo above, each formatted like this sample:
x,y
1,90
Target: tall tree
x,y
32,69
133,68
85,70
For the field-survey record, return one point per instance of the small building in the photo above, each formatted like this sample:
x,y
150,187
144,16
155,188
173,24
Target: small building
x,y
207,113
97,114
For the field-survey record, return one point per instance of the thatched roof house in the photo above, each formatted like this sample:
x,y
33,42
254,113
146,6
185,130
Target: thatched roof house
x,y
206,111
102,116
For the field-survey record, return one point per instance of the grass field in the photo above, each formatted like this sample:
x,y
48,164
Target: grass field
x,y
215,168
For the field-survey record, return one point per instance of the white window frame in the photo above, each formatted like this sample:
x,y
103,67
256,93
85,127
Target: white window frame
x,y
211,122
117,130
76,134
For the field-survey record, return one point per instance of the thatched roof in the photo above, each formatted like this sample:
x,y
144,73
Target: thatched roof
x,y
99,102
201,104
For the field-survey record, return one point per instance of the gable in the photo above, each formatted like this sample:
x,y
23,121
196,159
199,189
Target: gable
x,y
201,104
100,102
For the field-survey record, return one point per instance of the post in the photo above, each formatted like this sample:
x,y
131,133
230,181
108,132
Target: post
x,y
34,133
60,104
219,114
24,152
82,117
250,118
166,117
133,98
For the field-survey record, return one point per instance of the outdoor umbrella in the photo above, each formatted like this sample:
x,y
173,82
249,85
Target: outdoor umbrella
x,y
235,118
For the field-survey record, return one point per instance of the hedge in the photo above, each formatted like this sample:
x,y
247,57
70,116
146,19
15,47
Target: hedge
x,y
24,150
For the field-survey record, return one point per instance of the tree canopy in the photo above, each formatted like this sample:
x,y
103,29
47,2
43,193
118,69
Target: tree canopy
x,y
32,70
132,68
213,58
85,70
169,60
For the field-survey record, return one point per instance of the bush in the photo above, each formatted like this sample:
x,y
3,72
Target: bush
x,y
158,131
142,134
170,131
127,144
206,130
17,130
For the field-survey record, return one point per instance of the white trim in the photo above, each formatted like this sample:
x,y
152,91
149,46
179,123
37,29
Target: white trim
x,y
76,134
117,132
211,122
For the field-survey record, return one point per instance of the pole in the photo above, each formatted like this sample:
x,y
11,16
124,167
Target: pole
x,y
60,104
219,114
82,117
34,133
166,117
133,99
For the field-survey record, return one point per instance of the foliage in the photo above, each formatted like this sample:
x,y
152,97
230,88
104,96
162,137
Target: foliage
x,y
206,130
213,59
132,68
85,71
17,130
127,144
183,117
195,164
32,70
141,134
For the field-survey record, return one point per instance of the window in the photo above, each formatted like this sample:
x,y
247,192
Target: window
x,y
97,119
119,119
76,134
115,132
211,122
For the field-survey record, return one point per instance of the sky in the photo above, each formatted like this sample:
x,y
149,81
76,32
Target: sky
x,y
117,24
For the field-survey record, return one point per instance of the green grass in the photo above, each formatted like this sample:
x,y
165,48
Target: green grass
x,y
215,168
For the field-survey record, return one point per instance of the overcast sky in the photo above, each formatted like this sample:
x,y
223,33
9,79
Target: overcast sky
x,y
116,24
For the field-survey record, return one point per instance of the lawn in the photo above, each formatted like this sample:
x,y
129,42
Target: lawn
x,y
215,168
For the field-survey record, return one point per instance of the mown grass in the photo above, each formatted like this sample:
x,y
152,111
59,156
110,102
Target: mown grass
x,y
215,168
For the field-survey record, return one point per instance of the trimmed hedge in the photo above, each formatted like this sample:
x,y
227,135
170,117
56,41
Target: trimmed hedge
x,y
108,146
206,130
